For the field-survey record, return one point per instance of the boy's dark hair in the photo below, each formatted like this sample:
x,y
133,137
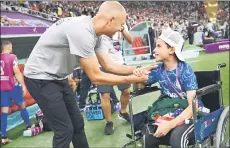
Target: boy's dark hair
x,y
168,46
4,43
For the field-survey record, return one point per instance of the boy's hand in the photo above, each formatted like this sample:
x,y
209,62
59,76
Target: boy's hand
x,y
144,70
151,67
163,128
139,72
143,78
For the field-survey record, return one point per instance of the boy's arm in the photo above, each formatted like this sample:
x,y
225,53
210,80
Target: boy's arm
x,y
152,76
190,86
188,112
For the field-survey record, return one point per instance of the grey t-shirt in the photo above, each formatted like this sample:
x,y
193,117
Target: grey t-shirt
x,y
59,49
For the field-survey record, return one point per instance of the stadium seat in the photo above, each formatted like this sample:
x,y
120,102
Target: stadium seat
x,y
137,43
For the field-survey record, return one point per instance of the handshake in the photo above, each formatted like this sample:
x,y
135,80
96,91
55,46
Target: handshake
x,y
141,74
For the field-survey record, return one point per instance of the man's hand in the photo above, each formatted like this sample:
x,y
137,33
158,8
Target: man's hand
x,y
144,70
138,79
163,128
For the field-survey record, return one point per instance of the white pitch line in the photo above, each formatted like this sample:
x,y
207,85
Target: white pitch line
x,y
193,61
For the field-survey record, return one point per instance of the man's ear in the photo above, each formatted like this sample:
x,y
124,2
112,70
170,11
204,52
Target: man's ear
x,y
111,19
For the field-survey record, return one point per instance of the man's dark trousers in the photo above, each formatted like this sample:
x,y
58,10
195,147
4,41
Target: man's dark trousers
x,y
57,102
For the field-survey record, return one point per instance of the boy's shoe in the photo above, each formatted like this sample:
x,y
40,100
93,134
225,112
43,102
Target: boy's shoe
x,y
124,116
109,128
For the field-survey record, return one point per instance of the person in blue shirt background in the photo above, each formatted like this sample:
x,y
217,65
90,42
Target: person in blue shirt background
x,y
176,79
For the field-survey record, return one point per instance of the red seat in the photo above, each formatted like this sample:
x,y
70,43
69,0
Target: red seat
x,y
137,43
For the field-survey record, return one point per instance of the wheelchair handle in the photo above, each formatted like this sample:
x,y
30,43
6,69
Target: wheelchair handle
x,y
222,65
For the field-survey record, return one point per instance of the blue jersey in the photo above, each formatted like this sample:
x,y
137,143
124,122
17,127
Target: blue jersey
x,y
186,79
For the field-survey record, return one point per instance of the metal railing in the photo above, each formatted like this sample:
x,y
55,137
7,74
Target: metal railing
x,y
31,12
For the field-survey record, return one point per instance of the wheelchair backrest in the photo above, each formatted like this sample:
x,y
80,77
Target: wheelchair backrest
x,y
205,78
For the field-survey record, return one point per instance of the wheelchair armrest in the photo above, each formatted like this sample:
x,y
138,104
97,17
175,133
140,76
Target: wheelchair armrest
x,y
208,89
145,90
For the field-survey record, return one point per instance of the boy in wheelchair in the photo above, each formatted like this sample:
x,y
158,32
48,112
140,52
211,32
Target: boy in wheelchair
x,y
177,80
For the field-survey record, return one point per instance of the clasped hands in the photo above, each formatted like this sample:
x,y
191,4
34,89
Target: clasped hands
x,y
143,72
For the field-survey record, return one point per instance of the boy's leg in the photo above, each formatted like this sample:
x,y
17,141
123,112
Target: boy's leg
x,y
106,106
182,136
125,96
151,141
17,96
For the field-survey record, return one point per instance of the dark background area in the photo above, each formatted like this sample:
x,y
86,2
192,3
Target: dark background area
x,y
22,46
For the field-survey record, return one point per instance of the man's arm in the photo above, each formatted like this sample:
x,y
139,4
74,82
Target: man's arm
x,y
111,67
18,75
127,36
120,69
91,67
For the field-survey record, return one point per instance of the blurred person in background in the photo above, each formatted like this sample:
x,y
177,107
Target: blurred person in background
x,y
207,37
115,52
190,31
10,89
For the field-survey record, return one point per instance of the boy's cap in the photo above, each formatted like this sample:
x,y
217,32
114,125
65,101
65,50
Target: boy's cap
x,y
174,39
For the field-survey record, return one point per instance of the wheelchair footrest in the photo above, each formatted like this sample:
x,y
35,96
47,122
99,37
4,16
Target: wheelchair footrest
x,y
131,143
137,134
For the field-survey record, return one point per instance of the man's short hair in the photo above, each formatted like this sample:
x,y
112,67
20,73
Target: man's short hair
x,y
4,43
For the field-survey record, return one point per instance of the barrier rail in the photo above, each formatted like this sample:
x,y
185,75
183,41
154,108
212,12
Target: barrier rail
x,y
32,13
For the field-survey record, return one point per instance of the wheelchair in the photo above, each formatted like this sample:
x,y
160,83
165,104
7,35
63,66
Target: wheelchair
x,y
210,129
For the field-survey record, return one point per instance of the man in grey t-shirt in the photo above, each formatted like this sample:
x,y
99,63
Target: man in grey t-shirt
x,y
67,44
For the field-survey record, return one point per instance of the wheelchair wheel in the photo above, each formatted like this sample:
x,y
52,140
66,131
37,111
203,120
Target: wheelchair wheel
x,y
222,132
